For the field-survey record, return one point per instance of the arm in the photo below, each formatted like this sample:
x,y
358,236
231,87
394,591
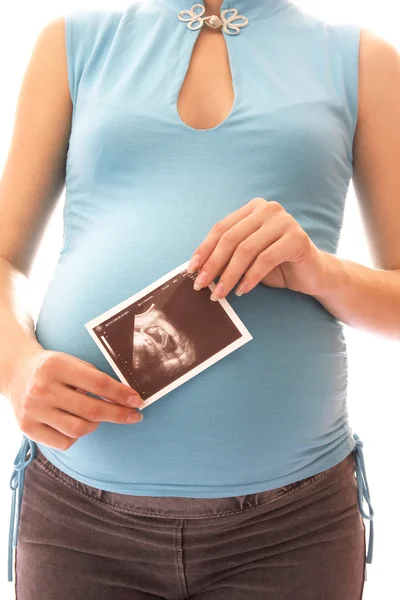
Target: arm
x,y
357,295
48,390
32,180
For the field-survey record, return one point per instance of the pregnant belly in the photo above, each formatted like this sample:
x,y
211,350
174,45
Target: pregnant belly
x,y
286,388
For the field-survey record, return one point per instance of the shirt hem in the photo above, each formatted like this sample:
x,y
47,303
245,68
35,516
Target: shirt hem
x,y
203,491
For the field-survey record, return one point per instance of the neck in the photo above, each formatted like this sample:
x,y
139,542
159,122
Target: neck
x,y
213,7
251,9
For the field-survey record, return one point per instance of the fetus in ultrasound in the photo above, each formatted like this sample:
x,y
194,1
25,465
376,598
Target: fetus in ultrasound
x,y
159,348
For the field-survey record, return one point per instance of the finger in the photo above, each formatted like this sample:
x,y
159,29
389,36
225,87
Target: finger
x,y
204,250
246,254
75,427
69,425
84,406
96,382
92,366
44,434
226,246
267,260
85,362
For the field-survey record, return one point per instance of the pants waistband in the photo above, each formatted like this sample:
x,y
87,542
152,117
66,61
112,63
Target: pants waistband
x,y
182,507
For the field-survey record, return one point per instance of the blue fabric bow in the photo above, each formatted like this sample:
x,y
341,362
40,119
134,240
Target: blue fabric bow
x,y
17,485
363,492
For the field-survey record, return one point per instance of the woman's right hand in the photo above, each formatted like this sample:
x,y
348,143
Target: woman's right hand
x,y
47,390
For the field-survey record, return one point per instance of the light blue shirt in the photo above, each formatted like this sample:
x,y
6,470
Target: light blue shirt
x,y
142,191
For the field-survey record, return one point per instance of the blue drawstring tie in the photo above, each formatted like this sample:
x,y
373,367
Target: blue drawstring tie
x,y
363,492
17,483
18,476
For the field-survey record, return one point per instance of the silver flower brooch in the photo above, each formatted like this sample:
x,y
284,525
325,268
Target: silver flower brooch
x,y
195,20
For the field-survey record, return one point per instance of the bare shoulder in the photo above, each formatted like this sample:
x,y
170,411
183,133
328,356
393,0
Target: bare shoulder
x,y
379,70
34,171
48,62
52,34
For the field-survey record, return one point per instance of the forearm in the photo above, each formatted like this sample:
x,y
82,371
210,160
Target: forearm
x,y
16,322
362,297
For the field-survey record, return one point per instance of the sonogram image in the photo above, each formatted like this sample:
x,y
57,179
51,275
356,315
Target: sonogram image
x,y
165,334
160,348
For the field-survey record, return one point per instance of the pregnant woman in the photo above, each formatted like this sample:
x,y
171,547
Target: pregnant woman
x,y
226,132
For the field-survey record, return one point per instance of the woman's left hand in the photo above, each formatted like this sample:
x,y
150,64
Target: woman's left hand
x,y
265,244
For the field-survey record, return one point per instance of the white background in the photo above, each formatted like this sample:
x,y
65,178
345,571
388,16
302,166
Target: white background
x,y
374,379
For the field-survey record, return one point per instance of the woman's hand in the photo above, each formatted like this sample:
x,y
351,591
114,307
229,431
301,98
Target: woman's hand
x,y
48,393
264,243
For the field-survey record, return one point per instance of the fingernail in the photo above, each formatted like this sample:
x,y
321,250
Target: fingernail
x,y
217,291
241,288
194,263
132,416
200,280
133,401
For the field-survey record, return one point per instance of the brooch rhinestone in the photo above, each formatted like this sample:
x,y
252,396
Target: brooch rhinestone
x,y
195,21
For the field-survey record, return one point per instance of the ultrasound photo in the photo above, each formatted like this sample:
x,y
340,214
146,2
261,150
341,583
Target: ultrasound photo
x,y
167,333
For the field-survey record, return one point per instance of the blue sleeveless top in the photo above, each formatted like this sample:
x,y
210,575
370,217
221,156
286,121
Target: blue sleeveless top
x,y
142,191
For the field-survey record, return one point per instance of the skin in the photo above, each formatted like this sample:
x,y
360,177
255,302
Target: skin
x,y
213,7
262,243
48,390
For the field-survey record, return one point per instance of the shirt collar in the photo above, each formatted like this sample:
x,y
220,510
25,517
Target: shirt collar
x,y
252,9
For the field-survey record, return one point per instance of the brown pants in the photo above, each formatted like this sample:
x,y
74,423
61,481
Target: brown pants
x,y
303,541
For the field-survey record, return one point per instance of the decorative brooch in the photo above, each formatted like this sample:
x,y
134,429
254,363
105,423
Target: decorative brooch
x,y
194,19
